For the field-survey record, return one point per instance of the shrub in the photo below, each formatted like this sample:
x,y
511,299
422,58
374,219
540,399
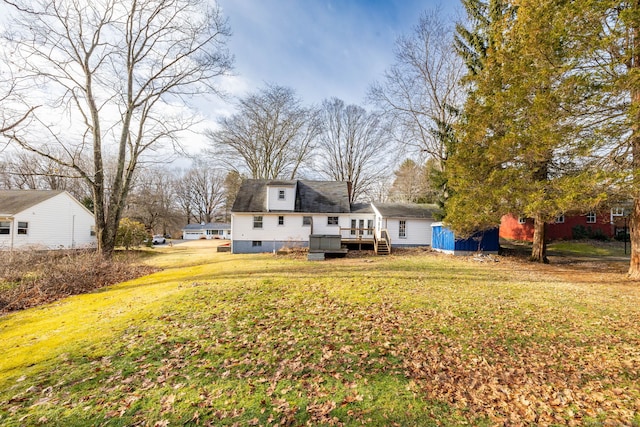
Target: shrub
x,y
599,235
131,233
33,278
579,232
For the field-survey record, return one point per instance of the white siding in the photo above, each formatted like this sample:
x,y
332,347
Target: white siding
x,y
210,233
56,223
192,234
321,226
274,203
418,231
358,217
292,230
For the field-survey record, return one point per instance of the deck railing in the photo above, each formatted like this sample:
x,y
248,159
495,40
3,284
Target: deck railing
x,y
357,233
384,235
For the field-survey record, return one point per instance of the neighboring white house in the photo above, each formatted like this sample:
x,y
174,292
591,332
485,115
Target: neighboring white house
x,y
47,219
270,214
212,230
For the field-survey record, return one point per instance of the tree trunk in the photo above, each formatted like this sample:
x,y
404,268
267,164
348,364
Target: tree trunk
x,y
634,233
634,218
539,249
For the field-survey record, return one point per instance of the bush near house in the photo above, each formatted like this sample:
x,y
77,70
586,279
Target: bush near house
x,y
580,232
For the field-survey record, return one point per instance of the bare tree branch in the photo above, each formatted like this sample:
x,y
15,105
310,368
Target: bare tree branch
x,y
108,76
270,136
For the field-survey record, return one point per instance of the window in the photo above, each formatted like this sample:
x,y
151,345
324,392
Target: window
x,y
353,227
560,219
522,220
280,194
23,227
617,211
257,221
402,230
306,220
281,220
369,226
92,232
256,243
5,227
332,220
591,218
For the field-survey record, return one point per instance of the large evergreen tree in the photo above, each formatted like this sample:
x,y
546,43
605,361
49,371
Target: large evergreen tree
x,y
522,145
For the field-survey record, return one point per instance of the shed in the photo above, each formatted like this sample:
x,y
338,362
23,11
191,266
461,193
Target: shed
x,y
443,240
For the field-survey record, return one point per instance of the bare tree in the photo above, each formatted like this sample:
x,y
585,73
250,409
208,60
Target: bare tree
x,y
421,91
27,170
113,78
354,146
411,183
201,192
9,117
152,201
270,136
232,183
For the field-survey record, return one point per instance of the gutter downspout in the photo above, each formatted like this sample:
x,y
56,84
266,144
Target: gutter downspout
x,y
13,223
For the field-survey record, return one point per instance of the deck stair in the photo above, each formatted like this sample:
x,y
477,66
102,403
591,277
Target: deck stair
x,y
382,245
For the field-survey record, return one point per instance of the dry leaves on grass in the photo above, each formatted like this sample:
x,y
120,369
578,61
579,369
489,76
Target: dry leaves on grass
x,y
312,356
313,349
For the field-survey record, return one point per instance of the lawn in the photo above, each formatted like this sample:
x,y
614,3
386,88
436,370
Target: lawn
x,y
410,339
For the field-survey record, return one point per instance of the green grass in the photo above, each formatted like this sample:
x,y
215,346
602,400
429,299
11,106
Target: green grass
x,y
589,248
262,340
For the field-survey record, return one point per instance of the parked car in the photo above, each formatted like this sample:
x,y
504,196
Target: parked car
x,y
158,239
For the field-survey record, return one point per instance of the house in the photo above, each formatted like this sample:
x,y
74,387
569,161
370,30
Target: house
x,y
410,224
602,223
270,214
444,240
212,230
46,219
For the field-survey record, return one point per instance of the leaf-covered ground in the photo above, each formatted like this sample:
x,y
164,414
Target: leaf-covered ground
x,y
412,339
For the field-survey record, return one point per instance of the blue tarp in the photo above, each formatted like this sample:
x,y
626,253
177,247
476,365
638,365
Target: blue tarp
x,y
443,239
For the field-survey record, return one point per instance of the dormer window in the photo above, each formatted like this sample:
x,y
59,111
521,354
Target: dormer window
x,y
280,194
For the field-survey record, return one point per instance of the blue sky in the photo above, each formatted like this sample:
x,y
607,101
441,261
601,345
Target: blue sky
x,y
320,48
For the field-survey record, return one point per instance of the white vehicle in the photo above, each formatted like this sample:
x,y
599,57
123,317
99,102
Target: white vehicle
x,y
158,239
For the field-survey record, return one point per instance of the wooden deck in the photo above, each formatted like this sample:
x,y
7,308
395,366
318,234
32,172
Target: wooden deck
x,y
366,236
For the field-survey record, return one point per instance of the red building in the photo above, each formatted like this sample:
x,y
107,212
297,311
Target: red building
x,y
606,223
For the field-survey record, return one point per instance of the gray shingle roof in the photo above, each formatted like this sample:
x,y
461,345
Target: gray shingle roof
x,y
322,196
14,201
311,196
401,210
361,208
251,197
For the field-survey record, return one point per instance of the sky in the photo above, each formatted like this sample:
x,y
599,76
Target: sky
x,y
320,48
